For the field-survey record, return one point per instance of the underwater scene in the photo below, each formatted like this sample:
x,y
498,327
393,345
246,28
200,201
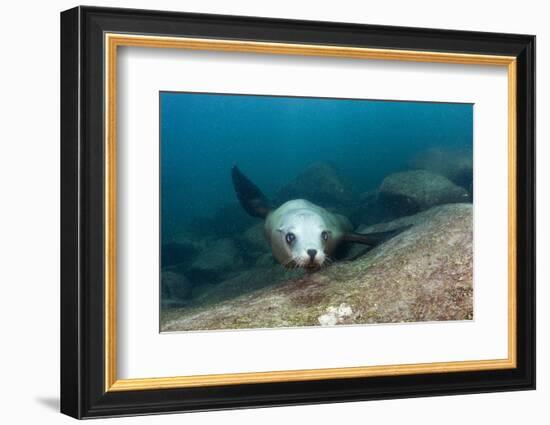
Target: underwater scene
x,y
284,211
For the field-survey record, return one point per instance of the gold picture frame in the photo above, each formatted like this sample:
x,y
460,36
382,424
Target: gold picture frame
x,y
114,41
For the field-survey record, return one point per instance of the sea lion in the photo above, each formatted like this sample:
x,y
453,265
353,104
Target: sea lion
x,y
301,234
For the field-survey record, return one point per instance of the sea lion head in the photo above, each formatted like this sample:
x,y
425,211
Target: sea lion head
x,y
301,240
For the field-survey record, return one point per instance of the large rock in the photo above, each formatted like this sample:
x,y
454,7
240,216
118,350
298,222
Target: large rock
x,y
422,274
175,289
409,192
321,184
265,260
215,261
253,240
371,209
199,291
456,165
244,283
177,252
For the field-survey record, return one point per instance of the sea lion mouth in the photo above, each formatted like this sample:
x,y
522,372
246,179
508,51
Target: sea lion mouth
x,y
311,266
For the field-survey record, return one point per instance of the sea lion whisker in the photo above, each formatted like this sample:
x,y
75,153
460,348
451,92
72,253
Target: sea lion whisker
x,y
291,263
288,263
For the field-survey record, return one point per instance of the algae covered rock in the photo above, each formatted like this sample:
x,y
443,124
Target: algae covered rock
x,y
409,192
319,183
371,209
215,260
175,288
456,165
243,283
253,239
200,291
178,252
336,315
266,261
422,274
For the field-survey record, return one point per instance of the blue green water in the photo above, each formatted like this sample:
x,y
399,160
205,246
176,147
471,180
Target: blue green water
x,y
272,139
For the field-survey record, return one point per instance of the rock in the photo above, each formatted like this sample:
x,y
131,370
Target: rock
x,y
456,165
244,283
422,274
321,184
409,192
265,261
182,251
371,209
175,289
253,240
335,316
222,256
199,291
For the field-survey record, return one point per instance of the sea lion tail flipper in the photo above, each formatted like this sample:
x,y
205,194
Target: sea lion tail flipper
x,y
374,239
250,197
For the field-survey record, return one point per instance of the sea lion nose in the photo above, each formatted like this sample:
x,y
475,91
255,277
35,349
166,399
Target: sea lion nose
x,y
312,253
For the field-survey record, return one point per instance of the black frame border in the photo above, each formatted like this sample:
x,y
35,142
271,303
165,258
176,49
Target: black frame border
x,y
82,205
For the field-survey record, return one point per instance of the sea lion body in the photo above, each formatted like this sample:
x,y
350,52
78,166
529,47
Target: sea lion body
x,y
307,222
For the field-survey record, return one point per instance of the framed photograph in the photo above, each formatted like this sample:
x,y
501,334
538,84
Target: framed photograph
x,y
261,212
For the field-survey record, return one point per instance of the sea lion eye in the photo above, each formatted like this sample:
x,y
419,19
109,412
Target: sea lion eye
x,y
290,237
324,236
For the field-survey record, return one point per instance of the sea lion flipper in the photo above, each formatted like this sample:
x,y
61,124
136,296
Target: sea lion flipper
x,y
374,239
250,196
